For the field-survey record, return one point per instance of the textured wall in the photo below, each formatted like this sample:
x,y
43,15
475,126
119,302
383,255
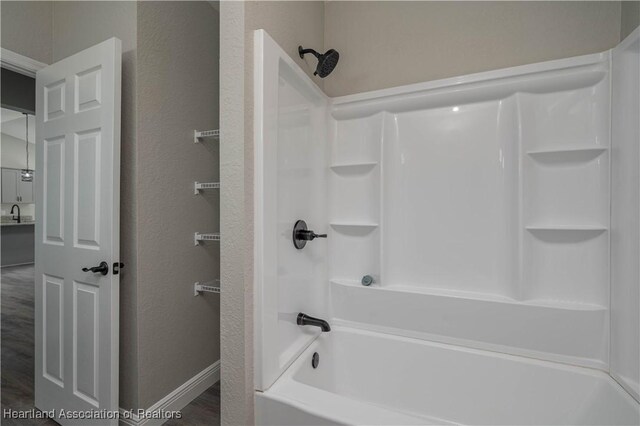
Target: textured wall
x,y
387,44
630,17
78,25
290,24
27,28
235,312
177,93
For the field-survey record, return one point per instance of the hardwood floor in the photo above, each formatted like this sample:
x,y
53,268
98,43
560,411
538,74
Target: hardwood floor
x,y
17,343
17,346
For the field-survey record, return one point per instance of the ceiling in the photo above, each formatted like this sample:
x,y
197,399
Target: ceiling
x,y
13,124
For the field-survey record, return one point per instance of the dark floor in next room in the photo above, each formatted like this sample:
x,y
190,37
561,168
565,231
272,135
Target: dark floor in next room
x,y
17,356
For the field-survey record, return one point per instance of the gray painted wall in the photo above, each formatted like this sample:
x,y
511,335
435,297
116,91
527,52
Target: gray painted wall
x,y
434,40
177,93
630,17
27,28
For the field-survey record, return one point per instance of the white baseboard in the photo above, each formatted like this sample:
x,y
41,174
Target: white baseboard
x,y
176,400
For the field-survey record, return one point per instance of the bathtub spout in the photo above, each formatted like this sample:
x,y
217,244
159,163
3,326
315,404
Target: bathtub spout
x,y
304,319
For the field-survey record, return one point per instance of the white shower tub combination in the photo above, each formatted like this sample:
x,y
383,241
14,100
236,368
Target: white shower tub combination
x,y
482,207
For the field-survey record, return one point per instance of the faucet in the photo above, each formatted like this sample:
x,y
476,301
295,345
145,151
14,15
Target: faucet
x,y
14,218
304,319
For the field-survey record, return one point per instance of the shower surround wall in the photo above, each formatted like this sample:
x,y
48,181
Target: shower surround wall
x,y
481,206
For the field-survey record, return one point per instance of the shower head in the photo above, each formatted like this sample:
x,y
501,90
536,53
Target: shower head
x,y
326,62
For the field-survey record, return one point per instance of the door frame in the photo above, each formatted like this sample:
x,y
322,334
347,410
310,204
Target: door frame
x,y
19,63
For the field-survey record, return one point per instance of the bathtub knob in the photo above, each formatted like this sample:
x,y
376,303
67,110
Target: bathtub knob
x,y
301,234
367,280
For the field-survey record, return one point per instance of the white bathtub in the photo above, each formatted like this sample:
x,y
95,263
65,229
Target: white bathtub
x,y
371,378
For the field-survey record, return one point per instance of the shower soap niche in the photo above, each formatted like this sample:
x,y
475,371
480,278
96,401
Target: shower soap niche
x,y
354,251
355,198
357,141
567,266
577,117
562,190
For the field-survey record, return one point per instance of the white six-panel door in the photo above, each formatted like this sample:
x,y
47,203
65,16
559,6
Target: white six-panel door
x,y
77,226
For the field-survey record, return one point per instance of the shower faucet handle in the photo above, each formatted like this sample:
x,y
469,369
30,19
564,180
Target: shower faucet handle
x,y
301,234
309,235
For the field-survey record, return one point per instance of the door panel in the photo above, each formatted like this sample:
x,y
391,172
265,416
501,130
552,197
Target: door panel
x,y
54,349
86,212
77,226
53,190
85,345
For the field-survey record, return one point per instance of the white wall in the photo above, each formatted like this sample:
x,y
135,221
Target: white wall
x,y
391,43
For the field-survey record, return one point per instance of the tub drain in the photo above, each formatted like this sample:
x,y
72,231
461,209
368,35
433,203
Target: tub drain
x,y
315,360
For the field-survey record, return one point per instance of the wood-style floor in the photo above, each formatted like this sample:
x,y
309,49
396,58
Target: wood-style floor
x,y
17,343
17,346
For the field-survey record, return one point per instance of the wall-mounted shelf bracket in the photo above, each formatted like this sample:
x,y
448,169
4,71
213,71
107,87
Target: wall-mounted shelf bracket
x,y
208,287
198,237
199,186
198,135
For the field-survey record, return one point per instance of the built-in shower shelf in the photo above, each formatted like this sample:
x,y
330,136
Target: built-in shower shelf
x,y
568,228
567,154
206,287
199,186
199,135
355,168
353,225
199,237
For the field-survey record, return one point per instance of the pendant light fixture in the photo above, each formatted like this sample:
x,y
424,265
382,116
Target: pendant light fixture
x,y
27,174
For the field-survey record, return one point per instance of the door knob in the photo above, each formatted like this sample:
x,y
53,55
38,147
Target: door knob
x,y
102,268
301,234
